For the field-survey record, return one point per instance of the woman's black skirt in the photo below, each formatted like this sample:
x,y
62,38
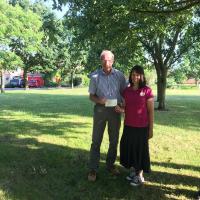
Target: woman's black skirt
x,y
134,148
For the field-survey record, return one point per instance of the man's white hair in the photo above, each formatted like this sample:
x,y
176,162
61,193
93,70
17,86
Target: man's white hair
x,y
106,52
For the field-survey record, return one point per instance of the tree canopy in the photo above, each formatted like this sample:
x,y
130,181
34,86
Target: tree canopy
x,y
147,37
19,32
145,7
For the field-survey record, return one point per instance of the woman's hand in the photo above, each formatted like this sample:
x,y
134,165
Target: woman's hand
x,y
118,109
150,133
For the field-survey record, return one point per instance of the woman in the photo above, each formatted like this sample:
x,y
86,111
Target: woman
x,y
138,126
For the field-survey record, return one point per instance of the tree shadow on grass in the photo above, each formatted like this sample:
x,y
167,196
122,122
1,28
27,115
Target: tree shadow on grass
x,y
177,166
188,120
47,105
174,184
184,112
34,170
36,128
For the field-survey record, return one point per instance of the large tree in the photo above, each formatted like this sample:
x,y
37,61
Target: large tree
x,y
67,56
8,31
127,29
166,43
8,60
150,6
27,45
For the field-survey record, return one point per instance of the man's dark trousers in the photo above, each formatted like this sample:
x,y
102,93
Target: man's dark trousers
x,y
102,116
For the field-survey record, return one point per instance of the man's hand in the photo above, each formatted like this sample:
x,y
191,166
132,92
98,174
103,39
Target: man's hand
x,y
102,100
98,100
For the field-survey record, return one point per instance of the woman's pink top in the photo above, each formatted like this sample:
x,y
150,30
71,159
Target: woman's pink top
x,y
136,106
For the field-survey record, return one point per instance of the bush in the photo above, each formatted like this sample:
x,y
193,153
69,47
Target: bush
x,y
85,80
80,80
150,77
171,83
77,81
51,84
65,84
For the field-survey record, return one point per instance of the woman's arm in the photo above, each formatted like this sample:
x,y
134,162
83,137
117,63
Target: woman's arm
x,y
150,110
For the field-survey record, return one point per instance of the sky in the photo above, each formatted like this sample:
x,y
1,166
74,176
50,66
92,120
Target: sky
x,y
58,13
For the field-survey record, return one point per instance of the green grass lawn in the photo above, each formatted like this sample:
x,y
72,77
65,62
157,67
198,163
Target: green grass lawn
x,y
45,137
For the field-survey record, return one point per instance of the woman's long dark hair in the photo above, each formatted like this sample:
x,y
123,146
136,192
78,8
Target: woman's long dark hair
x,y
139,70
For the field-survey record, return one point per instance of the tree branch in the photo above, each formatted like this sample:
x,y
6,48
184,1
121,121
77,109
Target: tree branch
x,y
187,6
172,46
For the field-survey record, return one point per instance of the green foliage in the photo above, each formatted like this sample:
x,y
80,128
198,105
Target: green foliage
x,y
51,84
150,76
9,60
171,83
78,80
8,17
85,80
25,4
48,78
134,34
60,53
20,33
115,26
28,43
191,64
178,75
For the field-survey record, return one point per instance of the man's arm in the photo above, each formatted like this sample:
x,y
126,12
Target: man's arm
x,y
123,83
96,99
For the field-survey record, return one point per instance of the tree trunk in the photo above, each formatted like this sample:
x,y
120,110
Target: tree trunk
x,y
25,79
196,82
2,81
158,84
72,80
161,87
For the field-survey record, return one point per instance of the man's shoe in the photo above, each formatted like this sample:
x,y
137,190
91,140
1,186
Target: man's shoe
x,y
114,171
92,176
137,181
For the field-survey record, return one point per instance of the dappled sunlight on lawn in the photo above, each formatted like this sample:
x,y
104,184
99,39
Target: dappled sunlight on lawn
x,y
45,137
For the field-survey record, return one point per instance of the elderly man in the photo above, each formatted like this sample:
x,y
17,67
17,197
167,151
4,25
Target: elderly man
x,y
106,86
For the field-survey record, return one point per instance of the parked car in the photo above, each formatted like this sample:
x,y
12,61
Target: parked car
x,y
33,83
17,82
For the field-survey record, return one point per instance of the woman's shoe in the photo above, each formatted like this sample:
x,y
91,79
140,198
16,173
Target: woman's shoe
x,y
137,180
131,176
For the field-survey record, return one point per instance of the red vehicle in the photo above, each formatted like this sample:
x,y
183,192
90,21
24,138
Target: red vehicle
x,y
35,80
33,83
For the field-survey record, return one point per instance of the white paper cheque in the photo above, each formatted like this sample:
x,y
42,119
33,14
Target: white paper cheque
x,y
111,102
